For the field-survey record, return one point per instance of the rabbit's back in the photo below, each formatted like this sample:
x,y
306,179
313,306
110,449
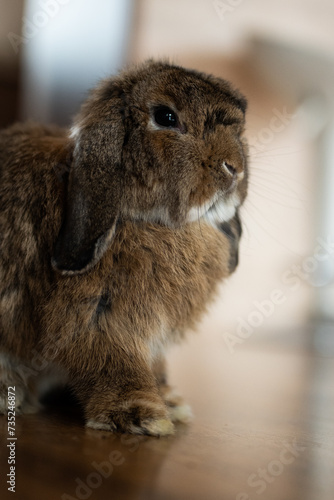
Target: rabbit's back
x,y
30,211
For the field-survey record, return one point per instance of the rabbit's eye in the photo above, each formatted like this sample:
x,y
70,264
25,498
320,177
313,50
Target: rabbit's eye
x,y
165,117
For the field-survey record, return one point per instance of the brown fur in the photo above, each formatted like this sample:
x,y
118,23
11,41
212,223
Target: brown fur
x,y
130,274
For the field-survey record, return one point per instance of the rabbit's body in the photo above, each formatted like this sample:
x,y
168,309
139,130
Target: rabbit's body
x,y
104,327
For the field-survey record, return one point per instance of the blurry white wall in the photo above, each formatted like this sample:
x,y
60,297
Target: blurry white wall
x,y
177,27
67,46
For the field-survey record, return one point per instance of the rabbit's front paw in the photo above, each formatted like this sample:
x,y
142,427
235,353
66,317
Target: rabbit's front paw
x,y
140,414
178,410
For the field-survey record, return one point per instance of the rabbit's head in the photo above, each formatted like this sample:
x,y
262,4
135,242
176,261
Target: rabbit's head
x,y
157,143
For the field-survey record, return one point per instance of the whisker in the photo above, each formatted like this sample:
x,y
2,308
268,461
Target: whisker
x,y
268,184
279,203
257,220
280,192
287,190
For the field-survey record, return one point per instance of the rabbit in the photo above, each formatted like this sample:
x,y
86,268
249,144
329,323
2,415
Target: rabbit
x,y
114,237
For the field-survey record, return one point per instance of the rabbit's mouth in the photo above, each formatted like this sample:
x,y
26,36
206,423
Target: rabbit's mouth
x,y
217,210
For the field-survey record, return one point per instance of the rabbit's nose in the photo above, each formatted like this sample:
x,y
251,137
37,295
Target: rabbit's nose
x,y
229,169
232,171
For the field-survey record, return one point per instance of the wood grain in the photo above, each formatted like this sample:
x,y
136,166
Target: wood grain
x,y
263,429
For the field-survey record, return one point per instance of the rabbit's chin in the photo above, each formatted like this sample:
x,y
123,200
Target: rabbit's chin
x,y
217,210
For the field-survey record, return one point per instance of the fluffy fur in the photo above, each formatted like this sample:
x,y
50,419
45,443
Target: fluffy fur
x,y
103,262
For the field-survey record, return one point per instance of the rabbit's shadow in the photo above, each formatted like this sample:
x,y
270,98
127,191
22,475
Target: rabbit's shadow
x,y
61,402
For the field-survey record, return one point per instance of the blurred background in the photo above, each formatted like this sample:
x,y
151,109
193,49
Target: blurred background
x,y
281,55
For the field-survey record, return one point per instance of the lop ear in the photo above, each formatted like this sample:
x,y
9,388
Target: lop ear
x,y
94,186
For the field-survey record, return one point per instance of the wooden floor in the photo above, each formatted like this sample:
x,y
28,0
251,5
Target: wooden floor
x,y
263,428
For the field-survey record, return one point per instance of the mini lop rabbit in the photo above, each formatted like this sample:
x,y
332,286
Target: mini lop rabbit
x,y
113,238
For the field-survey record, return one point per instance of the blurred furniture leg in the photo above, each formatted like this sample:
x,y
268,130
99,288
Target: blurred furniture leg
x,y
308,78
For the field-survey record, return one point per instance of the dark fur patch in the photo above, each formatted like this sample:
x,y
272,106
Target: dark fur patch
x,y
225,228
232,230
104,304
